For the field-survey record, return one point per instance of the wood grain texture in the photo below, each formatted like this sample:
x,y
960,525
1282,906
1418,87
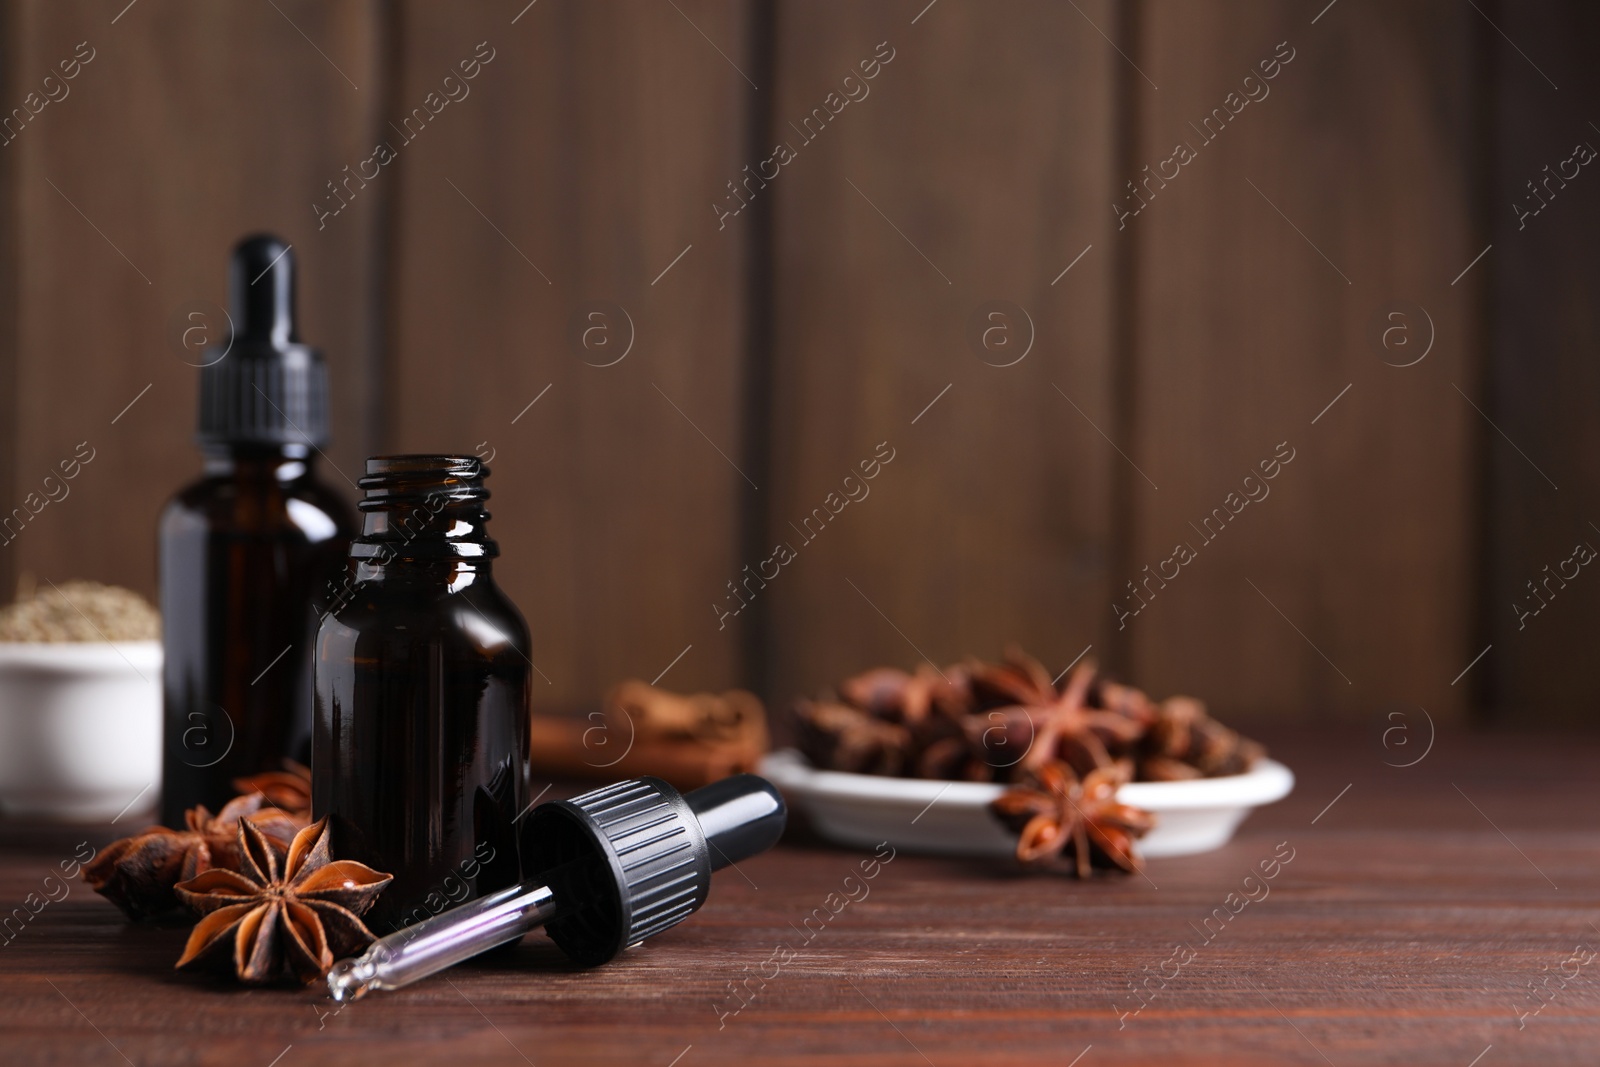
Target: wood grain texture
x,y
1541,282
974,171
10,269
593,153
575,173
191,126
1265,269
1405,930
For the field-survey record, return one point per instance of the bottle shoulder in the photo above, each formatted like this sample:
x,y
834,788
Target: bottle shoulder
x,y
382,612
303,506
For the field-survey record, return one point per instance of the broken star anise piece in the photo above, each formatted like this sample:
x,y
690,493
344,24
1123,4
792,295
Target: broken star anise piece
x,y
1053,812
138,873
281,915
288,790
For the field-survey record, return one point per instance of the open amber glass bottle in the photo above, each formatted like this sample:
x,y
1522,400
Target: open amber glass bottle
x,y
420,741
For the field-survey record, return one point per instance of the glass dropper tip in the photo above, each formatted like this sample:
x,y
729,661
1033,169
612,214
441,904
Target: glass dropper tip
x,y
349,979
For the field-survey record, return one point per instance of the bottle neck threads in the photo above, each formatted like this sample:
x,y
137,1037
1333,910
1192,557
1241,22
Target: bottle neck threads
x,y
424,507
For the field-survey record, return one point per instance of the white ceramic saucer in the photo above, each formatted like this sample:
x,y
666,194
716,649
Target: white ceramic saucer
x,y
924,815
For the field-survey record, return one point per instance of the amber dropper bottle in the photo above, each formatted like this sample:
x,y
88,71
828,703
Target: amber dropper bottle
x,y
420,753
247,550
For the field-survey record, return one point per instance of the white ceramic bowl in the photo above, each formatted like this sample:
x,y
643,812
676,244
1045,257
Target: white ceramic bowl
x,y
80,727
923,815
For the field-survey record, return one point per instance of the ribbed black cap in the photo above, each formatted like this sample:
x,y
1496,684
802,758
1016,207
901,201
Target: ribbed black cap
x,y
630,860
626,862
267,388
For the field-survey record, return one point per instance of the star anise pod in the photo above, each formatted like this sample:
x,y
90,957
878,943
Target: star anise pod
x,y
842,738
1061,724
1131,703
1053,812
1183,731
956,758
1017,679
986,721
288,790
893,694
282,914
138,873
1167,769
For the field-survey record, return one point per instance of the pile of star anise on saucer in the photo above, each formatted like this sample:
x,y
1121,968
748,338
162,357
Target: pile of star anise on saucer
x,y
273,904
1065,748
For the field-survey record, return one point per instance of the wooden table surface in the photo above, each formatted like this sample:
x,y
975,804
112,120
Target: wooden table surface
x,y
1424,917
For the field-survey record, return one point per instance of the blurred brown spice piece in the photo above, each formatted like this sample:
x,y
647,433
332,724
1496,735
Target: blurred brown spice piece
x,y
998,722
138,873
688,740
288,790
1066,747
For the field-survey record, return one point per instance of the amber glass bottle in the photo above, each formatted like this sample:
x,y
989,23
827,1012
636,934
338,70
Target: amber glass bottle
x,y
246,550
420,746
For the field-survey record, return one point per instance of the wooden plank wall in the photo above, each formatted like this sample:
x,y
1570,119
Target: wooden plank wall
x,y
958,180
858,295
1543,473
569,181
10,272
190,126
1261,269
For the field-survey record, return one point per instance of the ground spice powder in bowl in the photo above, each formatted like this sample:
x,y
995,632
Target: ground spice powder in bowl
x,y
78,611
80,700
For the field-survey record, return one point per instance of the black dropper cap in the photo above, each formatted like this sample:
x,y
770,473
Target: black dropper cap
x,y
630,860
265,387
